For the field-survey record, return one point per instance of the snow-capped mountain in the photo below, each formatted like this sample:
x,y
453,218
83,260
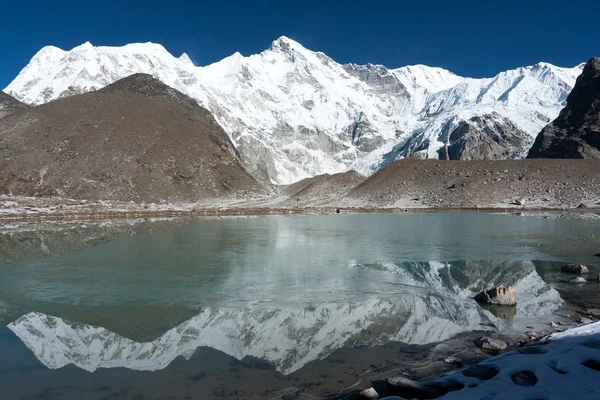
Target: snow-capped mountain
x,y
439,307
294,113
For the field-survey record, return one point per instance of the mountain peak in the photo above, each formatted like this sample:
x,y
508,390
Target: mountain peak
x,y
147,85
285,44
185,59
83,47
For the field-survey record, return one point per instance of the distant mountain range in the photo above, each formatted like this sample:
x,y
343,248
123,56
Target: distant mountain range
x,y
293,113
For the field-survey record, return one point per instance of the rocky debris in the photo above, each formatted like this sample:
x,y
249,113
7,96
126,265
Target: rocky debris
x,y
407,388
368,394
577,280
453,360
525,378
9,104
481,372
477,184
532,335
585,320
488,343
501,295
593,313
576,131
557,327
135,140
578,269
321,189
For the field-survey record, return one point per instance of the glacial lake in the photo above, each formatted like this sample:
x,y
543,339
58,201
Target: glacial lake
x,y
274,307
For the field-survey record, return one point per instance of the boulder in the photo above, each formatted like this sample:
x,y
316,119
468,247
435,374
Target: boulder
x,y
501,295
453,360
488,343
578,269
577,280
368,394
410,389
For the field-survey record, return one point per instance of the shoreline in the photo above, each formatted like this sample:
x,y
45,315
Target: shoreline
x,y
109,214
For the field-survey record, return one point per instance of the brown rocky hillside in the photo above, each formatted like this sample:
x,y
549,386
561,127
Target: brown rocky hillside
x,y
135,140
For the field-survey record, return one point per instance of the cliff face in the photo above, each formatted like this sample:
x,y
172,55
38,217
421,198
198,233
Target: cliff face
x,y
576,131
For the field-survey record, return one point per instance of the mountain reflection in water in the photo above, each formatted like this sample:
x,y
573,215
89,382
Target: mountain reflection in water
x,y
431,302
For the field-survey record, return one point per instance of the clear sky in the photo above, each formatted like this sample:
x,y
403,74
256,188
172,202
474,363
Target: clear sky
x,y
471,38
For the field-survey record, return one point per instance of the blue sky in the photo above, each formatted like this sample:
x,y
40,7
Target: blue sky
x,y
471,38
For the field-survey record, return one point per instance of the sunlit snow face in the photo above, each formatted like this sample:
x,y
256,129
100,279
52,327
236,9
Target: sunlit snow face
x,y
294,113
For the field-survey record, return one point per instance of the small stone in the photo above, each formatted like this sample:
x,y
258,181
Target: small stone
x,y
453,360
531,334
410,389
518,202
369,393
578,269
584,320
525,378
563,323
501,295
488,343
557,327
577,280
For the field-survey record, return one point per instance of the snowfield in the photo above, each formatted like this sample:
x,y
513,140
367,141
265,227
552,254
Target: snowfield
x,y
294,113
558,366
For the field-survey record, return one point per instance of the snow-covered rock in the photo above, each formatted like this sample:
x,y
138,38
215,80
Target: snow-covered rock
x,y
294,113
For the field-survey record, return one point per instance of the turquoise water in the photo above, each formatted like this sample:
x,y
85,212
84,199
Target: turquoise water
x,y
284,295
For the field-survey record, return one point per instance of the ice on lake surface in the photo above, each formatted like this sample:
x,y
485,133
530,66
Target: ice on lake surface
x,y
127,304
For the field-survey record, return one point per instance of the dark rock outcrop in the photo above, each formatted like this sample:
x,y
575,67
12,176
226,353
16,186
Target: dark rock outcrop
x,y
576,131
488,137
135,140
9,104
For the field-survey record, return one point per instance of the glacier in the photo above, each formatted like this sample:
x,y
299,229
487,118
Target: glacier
x,y
294,113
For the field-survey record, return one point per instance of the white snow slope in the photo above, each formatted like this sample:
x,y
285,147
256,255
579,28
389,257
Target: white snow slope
x,y
294,113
